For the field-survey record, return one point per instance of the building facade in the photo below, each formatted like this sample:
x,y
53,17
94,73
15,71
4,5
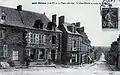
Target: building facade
x,y
25,33
75,43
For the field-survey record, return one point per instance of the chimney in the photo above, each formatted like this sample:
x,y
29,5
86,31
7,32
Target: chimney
x,y
54,18
74,27
61,20
19,7
80,30
78,24
73,24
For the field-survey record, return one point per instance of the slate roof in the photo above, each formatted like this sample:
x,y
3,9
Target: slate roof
x,y
66,24
69,30
28,17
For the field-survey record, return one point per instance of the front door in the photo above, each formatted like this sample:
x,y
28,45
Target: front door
x,y
53,55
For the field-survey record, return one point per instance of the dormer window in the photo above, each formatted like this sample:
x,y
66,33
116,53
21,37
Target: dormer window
x,y
38,24
3,16
41,26
51,26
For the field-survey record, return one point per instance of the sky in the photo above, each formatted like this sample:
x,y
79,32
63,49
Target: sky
x,y
87,14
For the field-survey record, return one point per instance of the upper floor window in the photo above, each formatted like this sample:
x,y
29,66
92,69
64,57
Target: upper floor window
x,y
74,58
41,38
3,16
1,34
32,38
74,45
35,38
53,39
51,26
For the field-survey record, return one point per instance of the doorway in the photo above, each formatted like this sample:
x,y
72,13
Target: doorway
x,y
53,55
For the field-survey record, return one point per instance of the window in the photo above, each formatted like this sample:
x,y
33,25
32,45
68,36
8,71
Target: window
x,y
37,38
74,57
3,16
28,37
1,34
15,55
41,26
74,45
33,38
3,50
38,24
40,54
53,39
41,38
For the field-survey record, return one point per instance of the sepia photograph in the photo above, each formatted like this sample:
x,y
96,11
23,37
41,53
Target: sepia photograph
x,y
59,37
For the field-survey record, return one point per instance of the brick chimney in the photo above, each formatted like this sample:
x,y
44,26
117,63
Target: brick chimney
x,y
19,7
74,27
54,18
61,20
77,24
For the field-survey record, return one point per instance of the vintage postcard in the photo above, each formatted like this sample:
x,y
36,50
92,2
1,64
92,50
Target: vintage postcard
x,y
59,37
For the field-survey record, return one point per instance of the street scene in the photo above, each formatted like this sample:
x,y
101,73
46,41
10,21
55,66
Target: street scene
x,y
97,68
59,38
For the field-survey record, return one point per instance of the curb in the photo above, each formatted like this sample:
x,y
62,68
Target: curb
x,y
112,68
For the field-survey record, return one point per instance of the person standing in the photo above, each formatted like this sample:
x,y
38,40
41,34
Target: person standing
x,y
27,61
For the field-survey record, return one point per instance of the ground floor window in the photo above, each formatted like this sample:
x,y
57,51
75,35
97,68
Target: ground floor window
x,y
15,55
40,54
74,58
3,50
36,54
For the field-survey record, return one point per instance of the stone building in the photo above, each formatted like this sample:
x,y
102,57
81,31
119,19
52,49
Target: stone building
x,y
87,51
25,33
75,43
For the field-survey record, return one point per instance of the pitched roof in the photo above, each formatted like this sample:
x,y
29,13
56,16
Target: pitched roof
x,y
23,18
68,29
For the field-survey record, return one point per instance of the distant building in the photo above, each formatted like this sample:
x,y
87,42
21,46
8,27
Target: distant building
x,y
25,33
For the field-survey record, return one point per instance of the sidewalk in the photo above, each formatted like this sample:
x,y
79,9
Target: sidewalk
x,y
113,68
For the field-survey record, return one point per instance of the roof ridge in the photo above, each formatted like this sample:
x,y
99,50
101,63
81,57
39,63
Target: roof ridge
x,y
24,10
